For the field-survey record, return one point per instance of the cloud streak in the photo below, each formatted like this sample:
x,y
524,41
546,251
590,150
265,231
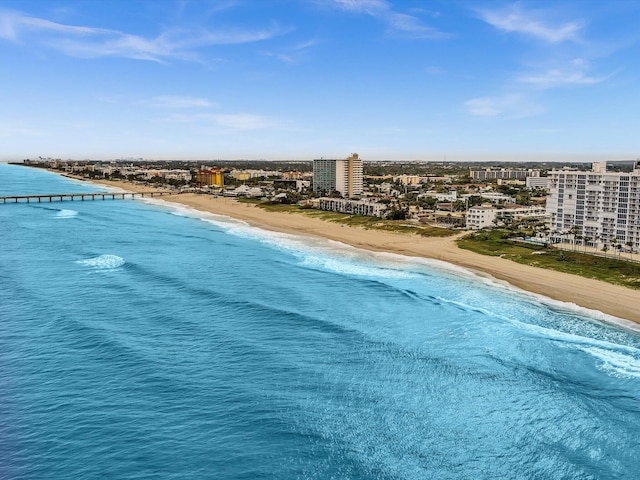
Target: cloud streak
x,y
92,42
515,19
231,122
399,23
559,78
179,102
294,54
511,106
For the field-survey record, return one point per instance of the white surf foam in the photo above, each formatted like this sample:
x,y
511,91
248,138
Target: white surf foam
x,y
384,261
66,213
103,262
614,363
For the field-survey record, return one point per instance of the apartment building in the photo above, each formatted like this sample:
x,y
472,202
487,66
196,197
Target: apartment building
x,y
597,207
343,175
354,207
502,173
488,216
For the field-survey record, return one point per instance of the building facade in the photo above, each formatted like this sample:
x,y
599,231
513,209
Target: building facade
x,y
537,182
503,173
487,216
354,207
214,176
344,176
597,207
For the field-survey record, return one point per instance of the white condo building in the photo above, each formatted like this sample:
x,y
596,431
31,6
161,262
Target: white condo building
x,y
344,176
597,205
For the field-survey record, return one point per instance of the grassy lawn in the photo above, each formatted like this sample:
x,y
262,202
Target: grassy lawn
x,y
368,223
609,270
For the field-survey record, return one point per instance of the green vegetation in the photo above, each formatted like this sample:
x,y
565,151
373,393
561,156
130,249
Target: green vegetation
x,y
358,221
496,243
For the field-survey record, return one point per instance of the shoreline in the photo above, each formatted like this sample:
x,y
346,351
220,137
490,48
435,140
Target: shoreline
x,y
614,300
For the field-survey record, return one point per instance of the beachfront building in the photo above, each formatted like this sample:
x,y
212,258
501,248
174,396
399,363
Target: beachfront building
x,y
343,176
502,173
481,217
354,207
597,208
488,216
211,177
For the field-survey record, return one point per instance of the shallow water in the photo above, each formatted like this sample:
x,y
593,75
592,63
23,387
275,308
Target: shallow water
x,y
140,340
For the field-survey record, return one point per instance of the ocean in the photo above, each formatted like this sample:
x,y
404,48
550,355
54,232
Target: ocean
x,y
141,340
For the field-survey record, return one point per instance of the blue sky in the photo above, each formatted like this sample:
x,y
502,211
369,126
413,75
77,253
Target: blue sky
x,y
300,79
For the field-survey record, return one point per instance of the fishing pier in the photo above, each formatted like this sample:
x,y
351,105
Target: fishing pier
x,y
81,197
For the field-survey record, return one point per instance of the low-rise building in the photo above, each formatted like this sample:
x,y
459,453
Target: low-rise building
x,y
450,196
355,207
481,217
488,216
504,173
537,182
244,191
493,197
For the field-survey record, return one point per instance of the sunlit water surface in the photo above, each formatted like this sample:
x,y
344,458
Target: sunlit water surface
x,y
143,340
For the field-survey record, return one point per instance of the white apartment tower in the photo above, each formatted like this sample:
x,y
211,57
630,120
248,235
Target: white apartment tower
x,y
597,206
344,176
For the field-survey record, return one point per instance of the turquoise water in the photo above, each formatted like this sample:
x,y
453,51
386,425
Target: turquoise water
x,y
142,340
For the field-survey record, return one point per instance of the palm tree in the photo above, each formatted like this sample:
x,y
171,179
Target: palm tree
x,y
630,245
573,231
586,239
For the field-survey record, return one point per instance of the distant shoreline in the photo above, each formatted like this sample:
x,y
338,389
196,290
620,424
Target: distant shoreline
x,y
614,300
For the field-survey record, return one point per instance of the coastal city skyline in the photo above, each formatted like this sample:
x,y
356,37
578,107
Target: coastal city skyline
x,y
454,80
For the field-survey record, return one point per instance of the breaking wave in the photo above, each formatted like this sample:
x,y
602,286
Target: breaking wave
x,y
103,262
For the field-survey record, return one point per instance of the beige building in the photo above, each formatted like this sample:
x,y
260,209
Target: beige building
x,y
344,176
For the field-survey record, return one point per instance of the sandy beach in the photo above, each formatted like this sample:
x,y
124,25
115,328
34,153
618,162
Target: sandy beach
x,y
614,300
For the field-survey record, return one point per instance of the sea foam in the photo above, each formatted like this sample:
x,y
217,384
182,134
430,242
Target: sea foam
x,y
103,262
66,213
379,264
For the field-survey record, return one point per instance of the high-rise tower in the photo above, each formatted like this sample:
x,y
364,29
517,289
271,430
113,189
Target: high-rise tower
x,y
343,175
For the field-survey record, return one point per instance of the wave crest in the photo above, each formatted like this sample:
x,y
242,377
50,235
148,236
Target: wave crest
x,y
66,213
103,262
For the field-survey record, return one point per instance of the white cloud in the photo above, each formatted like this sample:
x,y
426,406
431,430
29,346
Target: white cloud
x,y
175,101
91,42
401,23
515,19
574,73
370,7
244,121
233,122
293,54
556,78
506,106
